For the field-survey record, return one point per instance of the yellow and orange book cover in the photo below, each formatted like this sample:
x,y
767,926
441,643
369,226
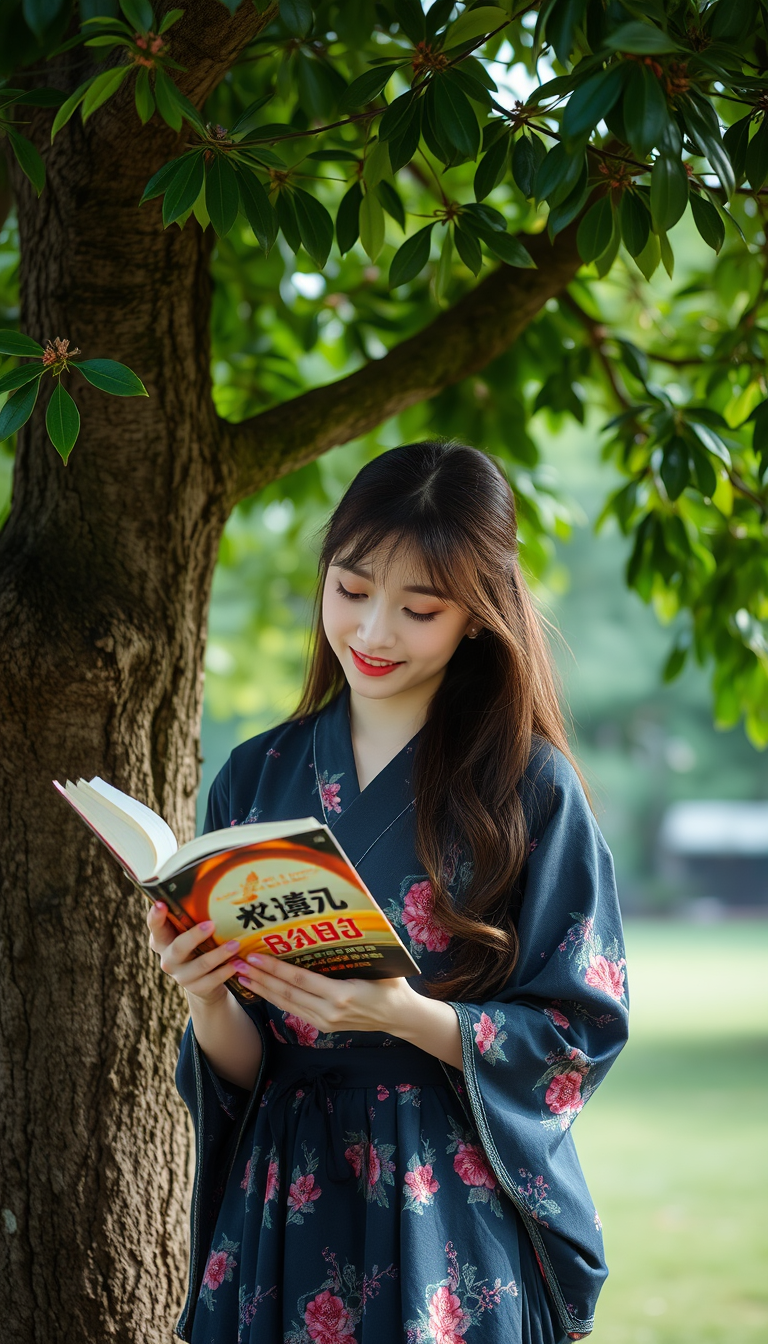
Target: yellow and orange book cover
x,y
286,889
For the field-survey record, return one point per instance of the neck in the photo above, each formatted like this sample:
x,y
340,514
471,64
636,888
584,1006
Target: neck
x,y
394,719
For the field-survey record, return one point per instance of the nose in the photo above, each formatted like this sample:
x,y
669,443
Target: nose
x,y
375,628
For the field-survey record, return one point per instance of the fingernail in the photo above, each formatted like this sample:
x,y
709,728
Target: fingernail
x,y
243,981
207,926
160,905
233,945
240,965
255,959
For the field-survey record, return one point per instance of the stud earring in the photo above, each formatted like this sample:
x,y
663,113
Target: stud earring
x,y
473,633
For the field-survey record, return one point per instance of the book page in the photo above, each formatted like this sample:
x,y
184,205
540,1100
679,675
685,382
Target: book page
x,y
129,810
123,836
216,842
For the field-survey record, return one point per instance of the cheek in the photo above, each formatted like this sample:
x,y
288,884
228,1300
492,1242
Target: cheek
x,y
435,640
337,615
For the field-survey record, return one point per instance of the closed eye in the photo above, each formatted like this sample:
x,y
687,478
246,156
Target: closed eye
x,y
420,615
344,592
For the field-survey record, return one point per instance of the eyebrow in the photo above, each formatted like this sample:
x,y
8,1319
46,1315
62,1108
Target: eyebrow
x,y
409,588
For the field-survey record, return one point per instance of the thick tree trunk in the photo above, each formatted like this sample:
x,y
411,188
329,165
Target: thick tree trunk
x,y
107,566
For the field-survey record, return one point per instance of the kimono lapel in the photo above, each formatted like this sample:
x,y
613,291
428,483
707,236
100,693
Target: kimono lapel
x,y
357,819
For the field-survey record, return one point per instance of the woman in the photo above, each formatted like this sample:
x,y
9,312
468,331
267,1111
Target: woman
x,y
392,1160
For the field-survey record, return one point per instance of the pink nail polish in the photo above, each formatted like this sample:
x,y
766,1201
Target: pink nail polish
x,y
207,926
233,945
255,959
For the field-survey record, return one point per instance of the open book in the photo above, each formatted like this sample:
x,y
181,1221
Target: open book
x,y
284,887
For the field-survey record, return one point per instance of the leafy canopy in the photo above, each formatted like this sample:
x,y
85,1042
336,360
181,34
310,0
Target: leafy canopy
x,y
398,151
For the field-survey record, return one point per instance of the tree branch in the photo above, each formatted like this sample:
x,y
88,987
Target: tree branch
x,y
208,41
453,346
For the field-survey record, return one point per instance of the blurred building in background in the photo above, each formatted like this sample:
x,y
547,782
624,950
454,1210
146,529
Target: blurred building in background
x,y
717,852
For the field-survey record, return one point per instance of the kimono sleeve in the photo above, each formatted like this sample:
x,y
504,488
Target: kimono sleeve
x,y
535,1054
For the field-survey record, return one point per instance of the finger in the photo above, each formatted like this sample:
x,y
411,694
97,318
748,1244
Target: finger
x,y
311,982
191,938
288,997
201,963
189,978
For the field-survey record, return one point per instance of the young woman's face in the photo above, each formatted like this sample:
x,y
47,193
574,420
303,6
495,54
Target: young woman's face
x,y
389,637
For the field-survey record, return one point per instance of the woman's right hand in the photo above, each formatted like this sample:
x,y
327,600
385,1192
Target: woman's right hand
x,y
202,976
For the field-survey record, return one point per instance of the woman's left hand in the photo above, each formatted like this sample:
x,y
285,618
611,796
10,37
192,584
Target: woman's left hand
x,y
330,1005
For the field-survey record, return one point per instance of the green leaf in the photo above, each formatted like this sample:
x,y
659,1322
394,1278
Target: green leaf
x,y
591,101
675,662
315,226
169,19
411,258
257,209
184,189
62,420
474,23
391,202
645,110
595,230
492,168
507,249
377,164
669,192
468,248
348,218
42,97
456,117
139,14
160,180
404,144
640,39
558,174
635,222
16,343
527,157
246,119
410,16
397,116
371,224
102,88
565,211
707,221
165,95
20,377
28,159
704,129
704,473
674,467
667,255
286,215
18,409
40,14
756,158
297,16
222,197
109,376
648,260
444,267
635,359
736,139
468,84
367,87
144,97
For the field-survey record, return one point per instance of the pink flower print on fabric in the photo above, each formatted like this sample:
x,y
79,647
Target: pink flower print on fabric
x,y
221,1263
372,1167
422,1184
382,1093
327,1319
303,1191
247,1175
419,918
448,1320
489,1037
471,1164
559,1019
606,975
273,1181
564,1093
306,1034
329,789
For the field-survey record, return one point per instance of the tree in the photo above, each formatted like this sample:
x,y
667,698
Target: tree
x,y
255,135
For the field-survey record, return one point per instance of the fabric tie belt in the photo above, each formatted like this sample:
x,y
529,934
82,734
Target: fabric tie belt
x,y
317,1074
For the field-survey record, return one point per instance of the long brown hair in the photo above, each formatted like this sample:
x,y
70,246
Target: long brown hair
x,y
451,507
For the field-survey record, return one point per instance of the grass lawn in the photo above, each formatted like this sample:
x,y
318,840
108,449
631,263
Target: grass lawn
x,y
675,1145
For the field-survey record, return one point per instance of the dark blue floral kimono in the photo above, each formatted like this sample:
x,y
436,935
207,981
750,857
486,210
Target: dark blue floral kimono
x,y
365,1193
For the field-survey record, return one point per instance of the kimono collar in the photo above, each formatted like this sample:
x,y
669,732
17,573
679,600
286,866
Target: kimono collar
x,y
357,818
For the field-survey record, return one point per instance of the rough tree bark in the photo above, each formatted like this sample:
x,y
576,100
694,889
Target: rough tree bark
x,y
107,566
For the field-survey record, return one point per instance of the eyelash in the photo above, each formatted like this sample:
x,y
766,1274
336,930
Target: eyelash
x,y
414,615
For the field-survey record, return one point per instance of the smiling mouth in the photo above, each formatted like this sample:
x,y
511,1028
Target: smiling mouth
x,y
374,662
